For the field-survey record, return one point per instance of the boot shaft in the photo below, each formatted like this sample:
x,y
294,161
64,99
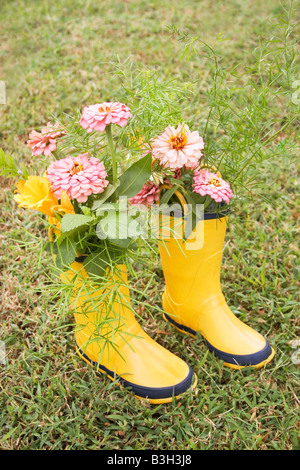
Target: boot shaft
x,y
100,312
193,265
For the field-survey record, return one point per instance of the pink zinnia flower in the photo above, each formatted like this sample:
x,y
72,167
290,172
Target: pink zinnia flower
x,y
44,142
97,116
208,183
147,196
176,148
79,176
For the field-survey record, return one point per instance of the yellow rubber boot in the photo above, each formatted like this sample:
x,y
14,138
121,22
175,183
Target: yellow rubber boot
x,y
109,338
193,299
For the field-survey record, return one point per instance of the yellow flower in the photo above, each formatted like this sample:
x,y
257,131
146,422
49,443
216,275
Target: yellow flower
x,y
65,207
35,193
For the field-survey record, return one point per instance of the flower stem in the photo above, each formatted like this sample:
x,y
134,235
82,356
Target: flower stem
x,y
112,153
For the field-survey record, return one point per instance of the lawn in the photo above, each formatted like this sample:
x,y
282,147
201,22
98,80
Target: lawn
x,y
57,55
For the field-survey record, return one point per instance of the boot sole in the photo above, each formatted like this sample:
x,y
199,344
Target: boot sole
x,y
188,331
106,372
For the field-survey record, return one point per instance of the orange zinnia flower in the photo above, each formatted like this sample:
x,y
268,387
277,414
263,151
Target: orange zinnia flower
x,y
65,207
35,193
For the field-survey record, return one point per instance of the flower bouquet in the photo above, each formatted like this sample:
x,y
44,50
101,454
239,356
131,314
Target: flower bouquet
x,y
93,229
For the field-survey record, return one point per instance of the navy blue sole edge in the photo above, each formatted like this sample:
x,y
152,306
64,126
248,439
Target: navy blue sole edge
x,y
152,393
184,328
206,215
237,360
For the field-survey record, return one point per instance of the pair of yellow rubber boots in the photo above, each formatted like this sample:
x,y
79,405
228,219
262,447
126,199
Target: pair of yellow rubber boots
x,y
109,337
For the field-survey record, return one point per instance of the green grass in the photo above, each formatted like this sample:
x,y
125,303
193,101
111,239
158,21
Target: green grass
x,y
56,54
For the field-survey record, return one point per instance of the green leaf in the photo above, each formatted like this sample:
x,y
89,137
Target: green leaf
x,y
86,210
134,178
120,243
175,181
108,206
167,195
8,167
96,263
109,191
25,172
114,225
72,222
195,215
66,251
194,199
